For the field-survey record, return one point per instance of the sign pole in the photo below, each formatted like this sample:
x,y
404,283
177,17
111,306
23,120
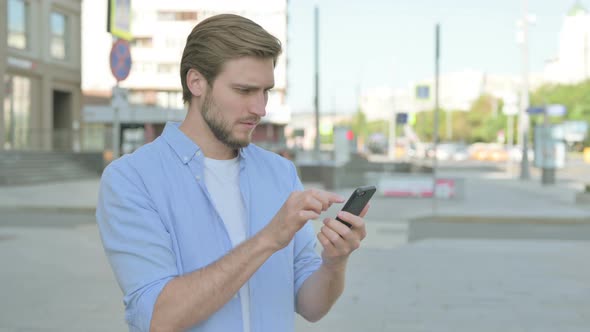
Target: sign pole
x,y
116,124
119,26
436,111
510,139
523,119
392,135
547,173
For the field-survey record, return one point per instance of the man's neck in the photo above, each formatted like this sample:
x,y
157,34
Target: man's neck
x,y
195,128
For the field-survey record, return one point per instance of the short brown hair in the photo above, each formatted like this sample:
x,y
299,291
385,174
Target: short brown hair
x,y
220,38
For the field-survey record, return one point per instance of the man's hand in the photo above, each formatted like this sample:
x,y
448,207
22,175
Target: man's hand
x,y
300,207
339,241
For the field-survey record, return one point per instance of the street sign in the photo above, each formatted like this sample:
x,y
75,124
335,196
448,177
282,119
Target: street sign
x,y
535,110
401,118
119,19
120,59
555,110
119,97
550,110
422,92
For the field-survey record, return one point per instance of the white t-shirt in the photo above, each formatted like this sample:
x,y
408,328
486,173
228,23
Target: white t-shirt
x,y
223,183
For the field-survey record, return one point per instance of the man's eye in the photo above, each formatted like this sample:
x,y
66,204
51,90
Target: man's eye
x,y
244,91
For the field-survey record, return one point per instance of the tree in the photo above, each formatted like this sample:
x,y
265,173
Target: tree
x,y
359,126
485,120
575,97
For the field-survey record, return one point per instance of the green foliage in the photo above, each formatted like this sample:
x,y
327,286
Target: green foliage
x,y
485,119
481,123
327,139
379,126
359,125
575,97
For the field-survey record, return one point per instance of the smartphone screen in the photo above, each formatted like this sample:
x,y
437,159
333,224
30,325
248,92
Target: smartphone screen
x,y
357,201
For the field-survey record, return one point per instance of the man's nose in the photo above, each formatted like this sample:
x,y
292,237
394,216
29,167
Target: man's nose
x,y
258,105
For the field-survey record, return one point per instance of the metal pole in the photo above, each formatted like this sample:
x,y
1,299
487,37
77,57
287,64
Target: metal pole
x,y
586,56
317,84
449,115
524,118
547,173
116,123
436,110
510,140
392,134
436,83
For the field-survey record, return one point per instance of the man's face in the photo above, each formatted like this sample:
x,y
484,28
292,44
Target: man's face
x,y
237,101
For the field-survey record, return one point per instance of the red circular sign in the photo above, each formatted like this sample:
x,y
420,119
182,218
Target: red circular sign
x,y
120,59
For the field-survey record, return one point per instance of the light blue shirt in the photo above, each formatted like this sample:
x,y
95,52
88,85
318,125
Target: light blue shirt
x,y
157,222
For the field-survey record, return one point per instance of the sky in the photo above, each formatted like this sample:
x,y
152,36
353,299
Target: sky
x,y
390,43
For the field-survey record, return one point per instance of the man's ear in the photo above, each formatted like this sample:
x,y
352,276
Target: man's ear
x,y
195,82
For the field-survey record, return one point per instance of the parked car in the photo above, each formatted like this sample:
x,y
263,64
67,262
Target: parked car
x,y
488,152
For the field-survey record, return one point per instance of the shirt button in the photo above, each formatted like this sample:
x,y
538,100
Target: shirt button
x,y
198,153
198,178
185,159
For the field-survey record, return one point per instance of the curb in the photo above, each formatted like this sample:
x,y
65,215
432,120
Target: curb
x,y
502,219
49,209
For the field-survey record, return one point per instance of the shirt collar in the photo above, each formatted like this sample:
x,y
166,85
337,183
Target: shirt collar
x,y
183,146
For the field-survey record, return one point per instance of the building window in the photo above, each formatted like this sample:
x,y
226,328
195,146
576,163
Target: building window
x,y
146,42
144,67
17,112
168,68
186,16
58,39
176,16
18,16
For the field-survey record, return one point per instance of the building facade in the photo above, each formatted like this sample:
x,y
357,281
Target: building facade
x,y
40,67
160,29
572,65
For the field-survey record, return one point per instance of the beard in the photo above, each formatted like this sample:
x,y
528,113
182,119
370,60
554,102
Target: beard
x,y
220,127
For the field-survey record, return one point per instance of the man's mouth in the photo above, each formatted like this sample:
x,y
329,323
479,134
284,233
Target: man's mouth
x,y
252,123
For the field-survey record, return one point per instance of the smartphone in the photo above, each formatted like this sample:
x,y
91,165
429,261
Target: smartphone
x,y
357,201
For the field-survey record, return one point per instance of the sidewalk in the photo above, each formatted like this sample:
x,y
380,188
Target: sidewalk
x,y
486,195
70,196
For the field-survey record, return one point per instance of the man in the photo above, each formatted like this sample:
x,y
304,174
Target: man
x,y
208,232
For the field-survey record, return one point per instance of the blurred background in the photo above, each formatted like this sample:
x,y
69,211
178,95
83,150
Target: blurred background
x,y
470,117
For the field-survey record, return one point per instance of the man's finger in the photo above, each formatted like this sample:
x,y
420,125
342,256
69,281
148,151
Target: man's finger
x,y
338,227
327,198
355,221
310,202
308,215
325,241
334,237
365,210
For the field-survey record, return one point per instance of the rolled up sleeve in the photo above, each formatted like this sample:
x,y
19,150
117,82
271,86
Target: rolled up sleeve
x,y
306,259
136,242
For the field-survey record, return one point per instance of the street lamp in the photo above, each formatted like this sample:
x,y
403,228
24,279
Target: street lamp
x,y
523,118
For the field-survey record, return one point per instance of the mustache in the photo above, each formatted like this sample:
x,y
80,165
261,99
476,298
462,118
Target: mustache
x,y
255,120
